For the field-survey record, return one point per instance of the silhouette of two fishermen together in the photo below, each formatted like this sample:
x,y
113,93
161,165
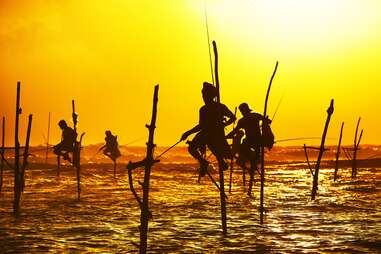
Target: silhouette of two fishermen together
x,y
68,141
213,118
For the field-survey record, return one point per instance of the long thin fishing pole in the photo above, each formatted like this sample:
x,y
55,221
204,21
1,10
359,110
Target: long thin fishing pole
x,y
208,38
136,140
277,107
292,139
169,148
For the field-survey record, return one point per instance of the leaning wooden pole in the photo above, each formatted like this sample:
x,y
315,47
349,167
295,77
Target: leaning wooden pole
x,y
321,151
2,154
17,176
221,172
263,149
355,148
26,152
145,214
338,153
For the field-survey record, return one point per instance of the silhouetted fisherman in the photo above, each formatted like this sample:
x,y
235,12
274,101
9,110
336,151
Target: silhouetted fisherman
x,y
250,123
68,140
210,130
110,149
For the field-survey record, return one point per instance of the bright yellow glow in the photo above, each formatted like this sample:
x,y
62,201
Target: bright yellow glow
x,y
108,56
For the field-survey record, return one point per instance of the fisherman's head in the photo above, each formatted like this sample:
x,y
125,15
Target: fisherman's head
x,y
209,92
62,124
108,133
244,108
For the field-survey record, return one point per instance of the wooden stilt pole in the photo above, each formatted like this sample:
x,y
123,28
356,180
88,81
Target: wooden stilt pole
x,y
253,167
147,163
114,168
355,148
244,179
321,151
58,165
26,152
76,151
145,214
221,172
2,152
338,153
232,160
308,160
261,208
17,176
47,142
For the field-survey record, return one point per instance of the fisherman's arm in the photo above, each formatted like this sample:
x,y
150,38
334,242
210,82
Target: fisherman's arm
x,y
263,118
195,129
229,115
234,131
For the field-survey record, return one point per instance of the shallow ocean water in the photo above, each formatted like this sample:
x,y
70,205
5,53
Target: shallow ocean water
x,y
345,217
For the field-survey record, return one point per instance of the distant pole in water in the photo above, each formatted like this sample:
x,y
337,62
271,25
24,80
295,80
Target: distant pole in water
x,y
338,153
17,176
261,208
26,152
47,142
355,149
321,151
76,150
2,152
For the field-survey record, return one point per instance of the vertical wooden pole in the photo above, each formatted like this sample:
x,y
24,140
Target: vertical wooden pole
x,y
58,165
262,150
355,148
114,168
221,172
244,179
2,152
47,143
76,151
232,160
321,151
26,152
144,216
17,182
338,153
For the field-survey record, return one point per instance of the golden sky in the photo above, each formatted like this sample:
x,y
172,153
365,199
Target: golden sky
x,y
108,55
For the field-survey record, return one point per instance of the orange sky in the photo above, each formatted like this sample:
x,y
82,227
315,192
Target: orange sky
x,y
108,55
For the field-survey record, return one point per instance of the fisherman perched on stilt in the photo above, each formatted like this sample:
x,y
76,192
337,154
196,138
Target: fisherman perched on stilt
x,y
110,149
250,146
68,140
249,150
210,130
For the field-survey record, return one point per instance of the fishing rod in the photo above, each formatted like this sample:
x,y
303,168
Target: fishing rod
x,y
169,148
208,38
292,139
136,140
277,107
